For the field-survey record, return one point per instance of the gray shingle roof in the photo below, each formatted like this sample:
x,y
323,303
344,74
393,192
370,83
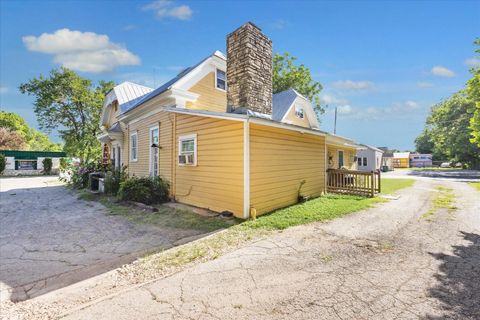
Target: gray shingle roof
x,y
281,102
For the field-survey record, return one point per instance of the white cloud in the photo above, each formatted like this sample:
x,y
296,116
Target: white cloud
x,y
354,85
398,109
328,98
278,24
345,109
130,27
424,85
168,9
473,62
4,89
442,72
81,51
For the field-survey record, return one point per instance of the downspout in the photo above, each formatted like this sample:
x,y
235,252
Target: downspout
x,y
174,157
246,168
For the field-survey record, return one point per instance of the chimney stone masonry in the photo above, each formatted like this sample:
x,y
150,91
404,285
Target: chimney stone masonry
x,y
249,70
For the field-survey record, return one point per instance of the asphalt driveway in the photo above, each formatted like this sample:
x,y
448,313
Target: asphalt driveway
x,y
50,239
388,262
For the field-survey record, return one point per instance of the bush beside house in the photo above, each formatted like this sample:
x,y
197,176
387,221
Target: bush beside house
x,y
47,165
3,163
144,190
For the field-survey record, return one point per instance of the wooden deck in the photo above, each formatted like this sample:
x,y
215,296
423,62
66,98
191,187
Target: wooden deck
x,y
353,182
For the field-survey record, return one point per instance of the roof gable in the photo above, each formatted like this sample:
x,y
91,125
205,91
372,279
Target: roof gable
x,y
283,101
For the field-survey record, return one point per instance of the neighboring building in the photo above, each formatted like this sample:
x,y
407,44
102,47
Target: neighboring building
x,y
387,161
220,137
29,162
401,159
369,158
420,160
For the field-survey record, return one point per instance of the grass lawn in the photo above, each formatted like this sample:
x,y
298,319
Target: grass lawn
x,y
476,185
324,208
165,217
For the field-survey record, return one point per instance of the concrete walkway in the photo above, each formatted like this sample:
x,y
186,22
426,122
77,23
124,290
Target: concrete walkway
x,y
384,263
49,239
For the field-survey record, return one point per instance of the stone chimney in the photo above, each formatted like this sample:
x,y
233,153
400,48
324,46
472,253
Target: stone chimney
x,y
249,70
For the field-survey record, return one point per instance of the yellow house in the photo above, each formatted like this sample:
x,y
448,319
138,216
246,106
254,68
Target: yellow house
x,y
401,159
220,137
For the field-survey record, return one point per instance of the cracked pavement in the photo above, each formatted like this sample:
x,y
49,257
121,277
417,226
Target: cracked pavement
x,y
383,263
49,239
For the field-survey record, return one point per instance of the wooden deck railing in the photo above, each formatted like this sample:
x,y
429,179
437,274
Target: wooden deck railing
x,y
353,182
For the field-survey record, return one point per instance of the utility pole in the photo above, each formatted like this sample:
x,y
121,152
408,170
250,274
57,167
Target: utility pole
x,y
335,123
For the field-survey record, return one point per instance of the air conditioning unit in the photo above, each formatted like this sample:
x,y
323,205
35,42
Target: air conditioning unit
x,y
187,158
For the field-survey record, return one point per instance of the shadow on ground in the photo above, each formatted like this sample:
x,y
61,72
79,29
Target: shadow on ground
x,y
458,288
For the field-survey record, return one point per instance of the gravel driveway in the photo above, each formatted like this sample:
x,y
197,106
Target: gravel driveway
x,y
50,239
384,263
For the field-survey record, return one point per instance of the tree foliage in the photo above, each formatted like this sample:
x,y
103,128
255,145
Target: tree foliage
x,y
287,75
11,140
33,139
71,104
473,91
447,134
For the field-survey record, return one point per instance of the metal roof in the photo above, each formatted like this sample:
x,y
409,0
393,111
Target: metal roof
x,y
127,92
281,102
371,147
401,154
167,85
32,155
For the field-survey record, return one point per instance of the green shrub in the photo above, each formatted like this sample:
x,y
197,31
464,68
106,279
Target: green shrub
x,y
79,175
144,190
63,164
3,163
47,165
113,179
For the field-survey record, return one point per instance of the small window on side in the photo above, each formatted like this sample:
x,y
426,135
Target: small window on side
x,y
299,112
364,161
221,81
359,160
187,150
133,146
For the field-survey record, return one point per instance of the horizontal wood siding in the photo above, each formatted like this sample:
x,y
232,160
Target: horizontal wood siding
x,y
279,161
348,157
216,182
210,98
141,167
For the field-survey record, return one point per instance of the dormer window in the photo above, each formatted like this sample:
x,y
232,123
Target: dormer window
x,y
220,80
299,112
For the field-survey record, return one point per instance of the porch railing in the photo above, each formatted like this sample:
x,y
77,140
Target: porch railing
x,y
353,182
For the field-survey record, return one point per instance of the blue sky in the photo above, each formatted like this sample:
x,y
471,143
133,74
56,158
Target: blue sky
x,y
383,64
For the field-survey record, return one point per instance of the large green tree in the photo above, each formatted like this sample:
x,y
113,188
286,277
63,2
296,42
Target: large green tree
x,y
32,139
473,91
71,104
286,75
447,129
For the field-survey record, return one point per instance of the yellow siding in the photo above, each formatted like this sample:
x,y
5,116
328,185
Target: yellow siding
x,y
141,167
112,118
216,182
293,119
348,157
401,162
279,161
210,98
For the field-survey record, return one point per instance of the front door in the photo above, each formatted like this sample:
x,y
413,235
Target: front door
x,y
340,159
154,152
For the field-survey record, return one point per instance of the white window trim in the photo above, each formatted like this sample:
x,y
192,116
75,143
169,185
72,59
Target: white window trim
x,y
150,159
216,78
183,138
135,133
303,111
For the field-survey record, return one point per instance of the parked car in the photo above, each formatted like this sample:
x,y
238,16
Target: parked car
x,y
445,165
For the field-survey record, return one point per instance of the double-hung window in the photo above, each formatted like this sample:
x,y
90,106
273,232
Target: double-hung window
x,y
187,150
364,161
221,80
299,112
359,160
134,146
